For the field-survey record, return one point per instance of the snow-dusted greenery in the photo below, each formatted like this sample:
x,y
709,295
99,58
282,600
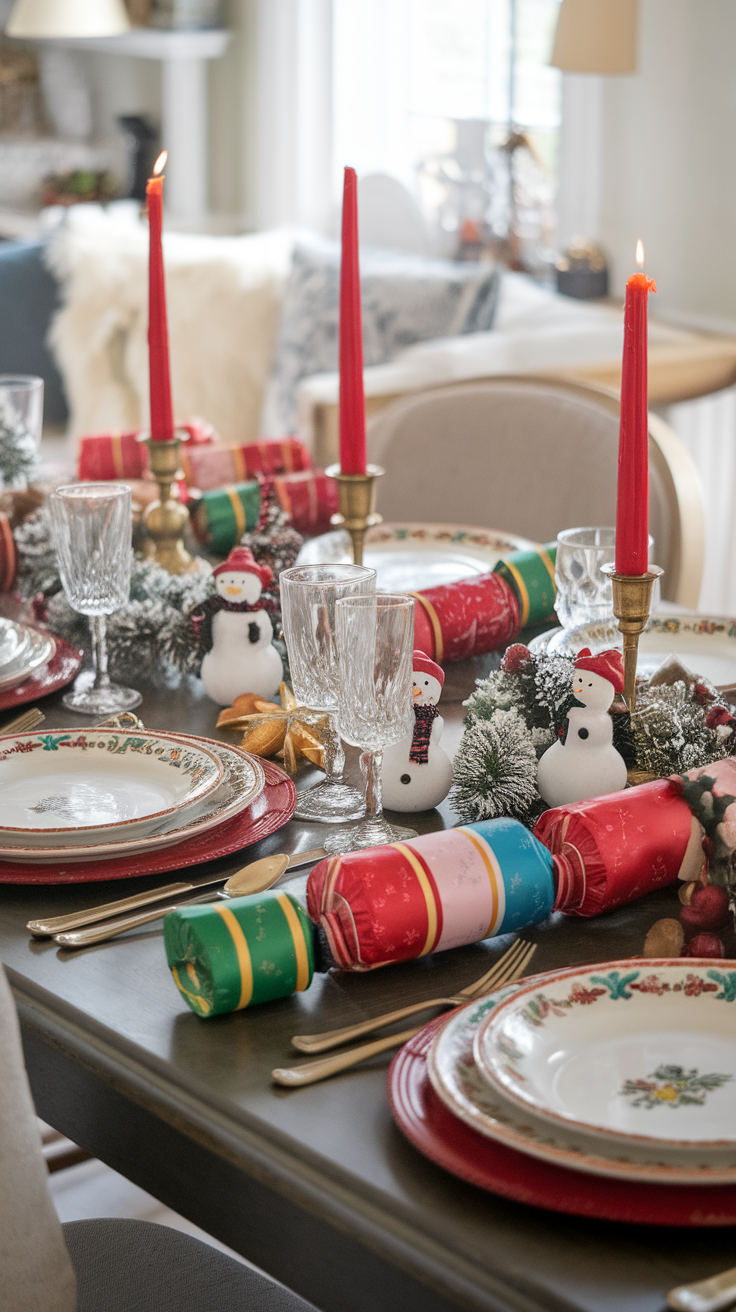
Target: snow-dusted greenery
x,y
669,732
518,711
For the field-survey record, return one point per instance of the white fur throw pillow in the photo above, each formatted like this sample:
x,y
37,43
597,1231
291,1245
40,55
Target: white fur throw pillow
x,y
223,298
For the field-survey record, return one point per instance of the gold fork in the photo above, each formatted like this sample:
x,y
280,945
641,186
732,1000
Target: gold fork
x,y
486,984
30,719
310,1072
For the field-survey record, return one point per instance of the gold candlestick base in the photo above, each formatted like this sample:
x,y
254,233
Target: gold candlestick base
x,y
165,519
356,493
632,601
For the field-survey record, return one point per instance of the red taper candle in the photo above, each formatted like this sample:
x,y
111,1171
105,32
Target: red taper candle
x,y
352,398
632,507
162,418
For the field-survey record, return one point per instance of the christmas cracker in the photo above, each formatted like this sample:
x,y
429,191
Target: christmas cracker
x,y
239,952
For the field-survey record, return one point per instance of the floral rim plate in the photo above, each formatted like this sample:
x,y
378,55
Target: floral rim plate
x,y
242,782
632,1051
38,650
410,556
442,1137
266,813
82,785
463,1089
705,644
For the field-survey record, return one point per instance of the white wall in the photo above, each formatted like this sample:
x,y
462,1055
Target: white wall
x,y
667,163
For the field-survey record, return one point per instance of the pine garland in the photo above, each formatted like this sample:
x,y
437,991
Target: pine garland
x,y
669,732
152,631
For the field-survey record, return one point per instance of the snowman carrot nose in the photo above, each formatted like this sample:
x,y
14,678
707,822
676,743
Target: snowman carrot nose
x,y
233,591
416,692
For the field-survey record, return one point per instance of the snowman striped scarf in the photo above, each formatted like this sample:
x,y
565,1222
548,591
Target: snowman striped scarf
x,y
424,717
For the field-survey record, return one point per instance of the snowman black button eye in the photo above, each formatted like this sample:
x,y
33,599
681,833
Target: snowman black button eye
x,y
405,779
426,683
582,733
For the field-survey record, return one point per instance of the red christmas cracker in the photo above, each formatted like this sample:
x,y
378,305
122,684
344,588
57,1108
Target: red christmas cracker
x,y
309,498
213,467
105,456
432,893
463,619
7,554
611,850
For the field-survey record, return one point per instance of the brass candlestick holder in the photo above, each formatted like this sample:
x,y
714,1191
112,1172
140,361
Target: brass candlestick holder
x,y
357,494
632,601
165,519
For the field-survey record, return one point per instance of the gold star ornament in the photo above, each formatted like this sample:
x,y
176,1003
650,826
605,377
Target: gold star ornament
x,y
287,731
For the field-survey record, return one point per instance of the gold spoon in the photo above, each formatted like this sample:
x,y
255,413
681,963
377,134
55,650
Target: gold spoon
x,y
705,1295
254,878
74,919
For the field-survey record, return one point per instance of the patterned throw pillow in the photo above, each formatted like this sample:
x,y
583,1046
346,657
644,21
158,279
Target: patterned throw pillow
x,y
406,299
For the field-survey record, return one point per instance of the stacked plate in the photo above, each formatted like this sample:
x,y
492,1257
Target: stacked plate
x,y
99,794
626,1070
23,650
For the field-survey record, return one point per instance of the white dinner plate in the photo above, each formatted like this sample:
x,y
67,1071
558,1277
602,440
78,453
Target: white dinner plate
x,y
409,557
463,1089
631,1051
705,644
36,651
242,781
79,786
14,639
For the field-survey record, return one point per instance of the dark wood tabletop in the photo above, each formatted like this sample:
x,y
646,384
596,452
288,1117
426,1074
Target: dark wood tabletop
x,y
315,1185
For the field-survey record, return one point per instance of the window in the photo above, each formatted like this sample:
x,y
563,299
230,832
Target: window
x,y
428,89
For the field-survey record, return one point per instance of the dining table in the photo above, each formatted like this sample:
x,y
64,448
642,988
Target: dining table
x,y
315,1185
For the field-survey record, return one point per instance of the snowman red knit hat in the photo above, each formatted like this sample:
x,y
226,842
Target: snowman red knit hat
x,y
609,664
422,663
242,561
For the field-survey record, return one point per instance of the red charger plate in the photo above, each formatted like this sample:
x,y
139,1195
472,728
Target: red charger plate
x,y
446,1140
267,813
64,666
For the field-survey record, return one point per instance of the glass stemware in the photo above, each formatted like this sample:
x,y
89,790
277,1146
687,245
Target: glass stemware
x,y
376,645
309,594
92,530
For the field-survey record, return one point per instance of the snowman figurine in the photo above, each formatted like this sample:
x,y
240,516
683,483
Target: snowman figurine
x,y
235,632
586,764
417,773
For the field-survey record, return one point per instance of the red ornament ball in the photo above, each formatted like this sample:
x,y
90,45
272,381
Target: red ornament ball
x,y
705,945
708,910
516,658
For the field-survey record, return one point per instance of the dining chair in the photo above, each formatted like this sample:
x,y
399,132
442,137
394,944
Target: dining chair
x,y
105,1265
533,456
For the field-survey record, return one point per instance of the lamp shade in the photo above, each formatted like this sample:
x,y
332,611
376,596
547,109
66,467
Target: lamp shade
x,y
70,18
596,36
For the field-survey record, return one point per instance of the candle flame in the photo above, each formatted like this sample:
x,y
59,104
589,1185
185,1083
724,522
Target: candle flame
x,y
640,255
160,165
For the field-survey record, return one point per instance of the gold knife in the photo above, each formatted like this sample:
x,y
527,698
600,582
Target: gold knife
x,y
75,919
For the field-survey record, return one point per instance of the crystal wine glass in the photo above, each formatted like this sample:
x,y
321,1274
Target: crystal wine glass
x,y
376,645
308,597
92,527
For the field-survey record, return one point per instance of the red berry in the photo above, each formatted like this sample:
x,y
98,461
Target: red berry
x,y
705,945
516,658
712,900
708,909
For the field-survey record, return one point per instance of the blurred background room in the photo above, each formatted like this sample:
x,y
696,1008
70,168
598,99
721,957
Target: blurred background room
x,y
510,153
